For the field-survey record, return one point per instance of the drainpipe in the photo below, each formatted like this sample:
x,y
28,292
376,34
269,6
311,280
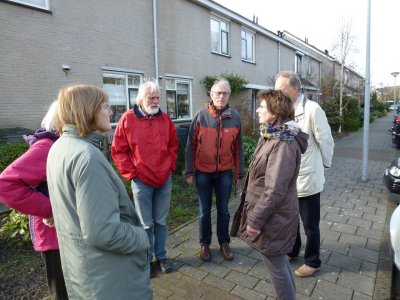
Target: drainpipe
x,y
155,38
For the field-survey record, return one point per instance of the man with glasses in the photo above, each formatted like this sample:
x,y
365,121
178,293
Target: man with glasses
x,y
310,182
214,149
145,149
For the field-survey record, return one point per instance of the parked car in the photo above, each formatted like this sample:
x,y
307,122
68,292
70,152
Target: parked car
x,y
395,236
391,179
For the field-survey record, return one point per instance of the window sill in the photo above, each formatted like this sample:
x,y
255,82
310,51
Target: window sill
x,y
249,61
221,54
27,6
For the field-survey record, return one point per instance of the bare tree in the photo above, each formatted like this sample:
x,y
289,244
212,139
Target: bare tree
x,y
342,48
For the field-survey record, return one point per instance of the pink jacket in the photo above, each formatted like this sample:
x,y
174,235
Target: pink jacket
x,y
18,184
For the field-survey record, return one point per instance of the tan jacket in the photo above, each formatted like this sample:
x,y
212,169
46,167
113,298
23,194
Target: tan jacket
x,y
313,121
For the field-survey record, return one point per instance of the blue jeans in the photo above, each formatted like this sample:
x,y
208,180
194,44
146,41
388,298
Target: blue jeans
x,y
221,184
310,216
152,206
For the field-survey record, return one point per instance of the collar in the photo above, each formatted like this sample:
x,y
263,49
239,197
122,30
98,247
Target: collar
x,y
298,106
93,138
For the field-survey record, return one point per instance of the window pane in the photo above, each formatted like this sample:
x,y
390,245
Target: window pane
x,y
171,104
170,84
224,42
250,48
132,97
244,49
134,80
115,88
183,100
37,3
224,26
215,36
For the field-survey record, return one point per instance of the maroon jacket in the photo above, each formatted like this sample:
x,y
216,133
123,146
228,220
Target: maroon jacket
x,y
270,199
215,142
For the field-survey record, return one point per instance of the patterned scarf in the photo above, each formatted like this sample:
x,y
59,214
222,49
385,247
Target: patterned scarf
x,y
276,130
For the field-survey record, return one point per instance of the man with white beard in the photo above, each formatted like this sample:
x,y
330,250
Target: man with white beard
x,y
145,149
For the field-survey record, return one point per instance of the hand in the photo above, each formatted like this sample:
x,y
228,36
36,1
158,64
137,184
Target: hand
x,y
190,179
252,232
49,222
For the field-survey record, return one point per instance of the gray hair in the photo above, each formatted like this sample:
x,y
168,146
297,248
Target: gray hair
x,y
146,88
48,120
294,79
221,81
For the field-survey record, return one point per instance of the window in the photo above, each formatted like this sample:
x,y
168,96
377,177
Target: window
x,y
248,40
299,59
178,98
44,4
122,90
219,36
308,68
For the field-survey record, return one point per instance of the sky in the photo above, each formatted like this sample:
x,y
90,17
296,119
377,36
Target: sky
x,y
320,22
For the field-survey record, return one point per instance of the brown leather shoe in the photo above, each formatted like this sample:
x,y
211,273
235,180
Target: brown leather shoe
x,y
226,251
205,253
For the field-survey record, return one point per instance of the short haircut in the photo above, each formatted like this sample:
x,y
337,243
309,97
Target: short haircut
x,y
78,105
294,79
223,82
278,104
49,118
146,88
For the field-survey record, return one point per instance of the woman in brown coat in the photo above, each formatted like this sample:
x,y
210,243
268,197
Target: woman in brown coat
x,y
269,209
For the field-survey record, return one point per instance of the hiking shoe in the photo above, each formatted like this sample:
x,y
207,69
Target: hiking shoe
x,y
165,265
306,271
205,253
226,251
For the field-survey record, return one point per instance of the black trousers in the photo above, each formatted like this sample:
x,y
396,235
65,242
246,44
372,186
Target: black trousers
x,y
310,216
54,274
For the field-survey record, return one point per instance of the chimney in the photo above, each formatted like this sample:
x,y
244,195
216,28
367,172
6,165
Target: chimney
x,y
326,52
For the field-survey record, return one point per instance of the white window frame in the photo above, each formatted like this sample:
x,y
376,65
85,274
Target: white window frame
x,y
308,67
218,49
128,88
173,88
43,5
249,37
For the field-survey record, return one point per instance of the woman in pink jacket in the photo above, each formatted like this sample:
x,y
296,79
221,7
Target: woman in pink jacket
x,y
23,187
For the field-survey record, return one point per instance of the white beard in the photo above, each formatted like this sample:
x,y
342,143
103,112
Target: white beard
x,y
151,110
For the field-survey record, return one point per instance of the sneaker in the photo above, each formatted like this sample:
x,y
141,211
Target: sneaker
x,y
306,271
165,265
226,251
205,253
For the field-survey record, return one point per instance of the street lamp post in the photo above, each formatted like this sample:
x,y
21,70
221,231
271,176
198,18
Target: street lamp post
x,y
394,74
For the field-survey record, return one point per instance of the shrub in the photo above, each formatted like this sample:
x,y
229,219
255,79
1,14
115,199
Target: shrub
x,y
351,124
15,225
249,145
10,152
237,82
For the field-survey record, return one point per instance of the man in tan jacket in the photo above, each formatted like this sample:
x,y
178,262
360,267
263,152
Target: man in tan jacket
x,y
310,182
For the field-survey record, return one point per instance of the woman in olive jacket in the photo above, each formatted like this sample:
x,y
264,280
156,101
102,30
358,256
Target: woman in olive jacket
x,y
268,216
103,246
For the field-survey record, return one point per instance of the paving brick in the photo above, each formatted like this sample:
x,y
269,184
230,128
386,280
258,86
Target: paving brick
x,y
335,246
365,254
245,293
241,263
346,228
329,291
357,282
369,233
368,269
345,262
242,279
353,240
215,269
336,218
219,283
359,222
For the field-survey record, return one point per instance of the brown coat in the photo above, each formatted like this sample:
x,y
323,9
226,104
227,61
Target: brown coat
x,y
270,198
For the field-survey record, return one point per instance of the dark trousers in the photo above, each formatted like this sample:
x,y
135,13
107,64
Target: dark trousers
x,y
221,184
310,216
54,274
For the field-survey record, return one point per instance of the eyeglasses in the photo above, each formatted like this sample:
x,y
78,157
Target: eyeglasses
x,y
106,106
222,93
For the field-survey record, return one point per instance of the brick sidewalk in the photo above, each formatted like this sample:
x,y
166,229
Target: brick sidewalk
x,y
356,263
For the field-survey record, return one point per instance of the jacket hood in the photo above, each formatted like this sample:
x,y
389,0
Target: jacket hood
x,y
301,139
